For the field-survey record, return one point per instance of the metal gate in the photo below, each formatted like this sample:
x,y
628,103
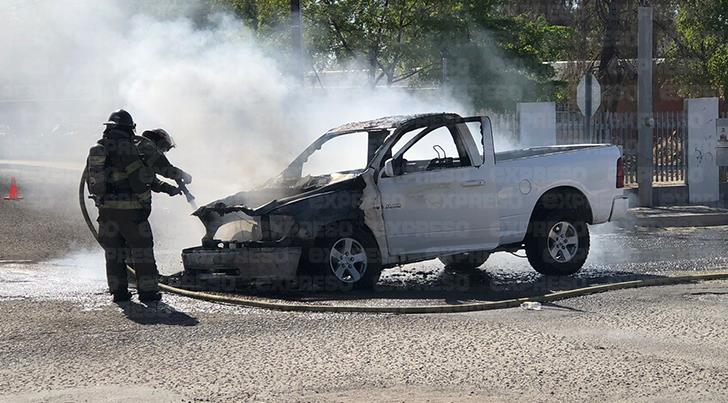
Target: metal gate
x,y
669,139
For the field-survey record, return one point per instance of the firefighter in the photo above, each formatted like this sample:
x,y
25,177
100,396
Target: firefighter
x,y
120,183
152,145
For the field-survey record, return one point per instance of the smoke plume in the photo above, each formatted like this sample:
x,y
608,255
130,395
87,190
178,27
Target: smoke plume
x,y
236,116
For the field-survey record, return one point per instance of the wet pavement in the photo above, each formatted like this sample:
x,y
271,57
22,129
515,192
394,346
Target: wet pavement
x,y
46,229
617,254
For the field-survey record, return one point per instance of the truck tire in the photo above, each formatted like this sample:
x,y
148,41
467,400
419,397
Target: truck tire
x,y
462,262
558,244
347,256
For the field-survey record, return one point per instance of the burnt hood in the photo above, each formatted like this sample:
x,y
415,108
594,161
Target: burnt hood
x,y
266,199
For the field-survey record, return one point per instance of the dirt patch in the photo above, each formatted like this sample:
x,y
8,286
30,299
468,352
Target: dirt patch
x,y
47,222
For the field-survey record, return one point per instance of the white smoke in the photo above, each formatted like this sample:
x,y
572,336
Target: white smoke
x,y
234,114
236,117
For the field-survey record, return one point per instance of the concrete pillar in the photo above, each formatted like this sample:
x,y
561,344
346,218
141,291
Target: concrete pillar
x,y
702,175
645,167
536,123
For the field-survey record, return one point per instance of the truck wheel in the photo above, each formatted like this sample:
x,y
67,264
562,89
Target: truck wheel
x,y
558,246
464,261
347,256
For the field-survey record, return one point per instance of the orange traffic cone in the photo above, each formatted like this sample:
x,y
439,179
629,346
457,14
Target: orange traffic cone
x,y
13,193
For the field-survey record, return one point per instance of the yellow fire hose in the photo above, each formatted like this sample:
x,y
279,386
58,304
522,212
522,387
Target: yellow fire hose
x,y
466,307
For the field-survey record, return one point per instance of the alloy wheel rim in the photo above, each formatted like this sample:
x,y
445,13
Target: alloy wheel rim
x,y
563,242
348,260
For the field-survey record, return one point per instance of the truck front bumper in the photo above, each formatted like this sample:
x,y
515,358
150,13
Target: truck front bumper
x,y
243,261
619,208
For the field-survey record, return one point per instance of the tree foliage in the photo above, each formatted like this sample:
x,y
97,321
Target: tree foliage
x,y
493,52
385,37
700,49
473,46
481,49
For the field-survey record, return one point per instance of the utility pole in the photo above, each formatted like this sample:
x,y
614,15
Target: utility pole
x,y
645,121
297,40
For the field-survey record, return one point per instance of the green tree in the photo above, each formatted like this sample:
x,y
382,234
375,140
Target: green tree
x,y
481,51
699,53
486,51
385,37
499,60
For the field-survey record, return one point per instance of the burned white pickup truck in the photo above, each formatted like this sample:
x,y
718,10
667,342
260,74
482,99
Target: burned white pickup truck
x,y
371,195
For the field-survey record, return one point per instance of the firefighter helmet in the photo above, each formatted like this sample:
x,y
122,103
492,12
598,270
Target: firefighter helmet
x,y
161,139
120,118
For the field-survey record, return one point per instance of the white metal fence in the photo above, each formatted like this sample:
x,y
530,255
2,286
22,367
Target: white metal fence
x,y
669,138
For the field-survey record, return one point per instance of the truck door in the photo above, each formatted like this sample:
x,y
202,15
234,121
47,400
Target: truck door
x,y
440,196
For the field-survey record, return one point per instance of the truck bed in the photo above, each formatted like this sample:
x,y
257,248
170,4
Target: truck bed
x,y
537,151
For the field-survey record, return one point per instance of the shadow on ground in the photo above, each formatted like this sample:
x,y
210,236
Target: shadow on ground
x,y
157,313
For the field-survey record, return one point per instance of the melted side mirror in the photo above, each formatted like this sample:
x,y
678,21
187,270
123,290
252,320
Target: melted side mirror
x,y
389,168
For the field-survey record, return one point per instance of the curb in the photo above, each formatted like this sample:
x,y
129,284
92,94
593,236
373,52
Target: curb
x,y
693,220
470,307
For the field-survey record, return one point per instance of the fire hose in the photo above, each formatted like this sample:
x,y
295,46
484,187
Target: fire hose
x,y
253,302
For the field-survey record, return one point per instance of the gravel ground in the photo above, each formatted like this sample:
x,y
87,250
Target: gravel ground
x,y
665,343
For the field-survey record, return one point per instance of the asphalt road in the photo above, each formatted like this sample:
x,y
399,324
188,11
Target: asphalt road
x,y
664,343
62,339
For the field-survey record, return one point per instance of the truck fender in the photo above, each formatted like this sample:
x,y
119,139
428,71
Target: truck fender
x,y
563,197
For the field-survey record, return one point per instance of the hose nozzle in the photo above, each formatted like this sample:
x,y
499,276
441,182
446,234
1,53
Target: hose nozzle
x,y
190,198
